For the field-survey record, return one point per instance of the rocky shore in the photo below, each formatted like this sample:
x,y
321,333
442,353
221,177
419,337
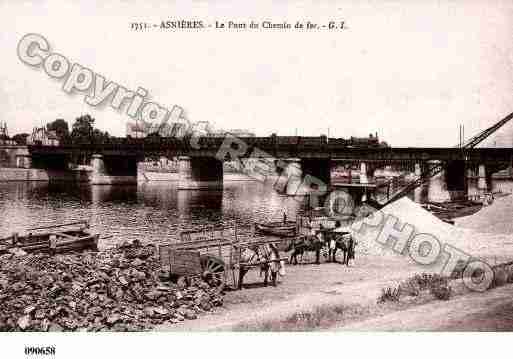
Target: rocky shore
x,y
118,289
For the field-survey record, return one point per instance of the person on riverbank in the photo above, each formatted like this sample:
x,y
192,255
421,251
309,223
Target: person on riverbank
x,y
318,243
332,244
350,250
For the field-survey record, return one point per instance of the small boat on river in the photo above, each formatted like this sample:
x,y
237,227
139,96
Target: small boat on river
x,y
278,228
62,238
447,211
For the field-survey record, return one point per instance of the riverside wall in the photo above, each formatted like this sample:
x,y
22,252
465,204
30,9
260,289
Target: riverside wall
x,y
34,174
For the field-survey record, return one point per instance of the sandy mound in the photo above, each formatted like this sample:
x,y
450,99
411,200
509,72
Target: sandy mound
x,y
491,219
472,242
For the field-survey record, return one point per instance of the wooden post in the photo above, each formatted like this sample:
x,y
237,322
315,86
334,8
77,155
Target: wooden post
x,y
15,238
53,243
241,277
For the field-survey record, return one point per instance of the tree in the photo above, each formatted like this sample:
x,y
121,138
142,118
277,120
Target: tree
x,y
83,131
20,138
60,127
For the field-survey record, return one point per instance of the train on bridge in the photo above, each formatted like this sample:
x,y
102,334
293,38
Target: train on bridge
x,y
216,141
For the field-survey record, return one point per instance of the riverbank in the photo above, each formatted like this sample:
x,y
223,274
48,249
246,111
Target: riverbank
x,y
41,175
163,176
333,296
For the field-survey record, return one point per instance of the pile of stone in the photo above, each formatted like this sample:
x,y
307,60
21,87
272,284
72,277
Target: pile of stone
x,y
118,289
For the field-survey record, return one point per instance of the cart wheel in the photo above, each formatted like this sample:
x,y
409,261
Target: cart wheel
x,y
213,270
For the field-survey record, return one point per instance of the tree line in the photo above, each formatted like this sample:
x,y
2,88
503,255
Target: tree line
x,y
82,131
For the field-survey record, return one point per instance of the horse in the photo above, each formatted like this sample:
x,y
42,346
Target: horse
x,y
302,244
266,257
335,242
343,242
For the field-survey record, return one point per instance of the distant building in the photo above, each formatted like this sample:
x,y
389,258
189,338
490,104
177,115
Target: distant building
x,y
4,135
41,136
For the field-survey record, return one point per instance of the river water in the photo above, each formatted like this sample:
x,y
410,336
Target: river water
x,y
155,211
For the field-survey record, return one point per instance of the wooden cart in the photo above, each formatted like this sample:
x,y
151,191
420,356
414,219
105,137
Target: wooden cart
x,y
213,253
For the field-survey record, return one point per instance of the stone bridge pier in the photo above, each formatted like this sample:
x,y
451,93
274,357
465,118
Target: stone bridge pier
x,y
110,170
450,184
200,173
484,175
24,160
482,180
456,179
367,170
305,177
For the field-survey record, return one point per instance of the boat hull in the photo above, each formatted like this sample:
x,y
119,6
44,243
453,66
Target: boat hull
x,y
278,229
60,242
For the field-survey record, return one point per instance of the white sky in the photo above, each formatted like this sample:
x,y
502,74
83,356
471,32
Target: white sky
x,y
411,70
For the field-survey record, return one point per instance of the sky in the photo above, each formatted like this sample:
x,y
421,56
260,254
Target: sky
x,y
413,71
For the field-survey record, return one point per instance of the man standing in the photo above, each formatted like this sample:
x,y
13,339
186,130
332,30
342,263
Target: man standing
x,y
350,249
332,244
318,243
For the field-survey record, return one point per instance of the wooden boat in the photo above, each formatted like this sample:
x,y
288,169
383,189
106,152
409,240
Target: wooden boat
x,y
278,228
62,238
500,194
447,211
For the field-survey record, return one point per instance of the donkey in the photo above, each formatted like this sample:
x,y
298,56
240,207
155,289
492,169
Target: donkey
x,y
266,257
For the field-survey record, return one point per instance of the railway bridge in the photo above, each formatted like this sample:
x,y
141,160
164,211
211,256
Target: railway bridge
x,y
291,158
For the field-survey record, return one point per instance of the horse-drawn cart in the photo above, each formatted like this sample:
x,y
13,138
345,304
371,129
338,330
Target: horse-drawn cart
x,y
220,255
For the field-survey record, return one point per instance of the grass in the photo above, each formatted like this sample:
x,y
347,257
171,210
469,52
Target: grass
x,y
434,284
389,294
438,286
320,317
502,276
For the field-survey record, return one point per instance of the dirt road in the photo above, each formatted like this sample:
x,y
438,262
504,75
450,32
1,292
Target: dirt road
x,y
304,288
489,311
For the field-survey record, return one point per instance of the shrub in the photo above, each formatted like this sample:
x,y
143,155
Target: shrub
x,y
410,287
500,277
510,274
421,282
436,284
389,294
441,291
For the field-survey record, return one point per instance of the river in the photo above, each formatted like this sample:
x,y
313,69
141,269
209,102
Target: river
x,y
153,212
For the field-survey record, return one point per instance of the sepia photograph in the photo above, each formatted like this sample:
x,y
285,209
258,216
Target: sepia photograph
x,y
173,171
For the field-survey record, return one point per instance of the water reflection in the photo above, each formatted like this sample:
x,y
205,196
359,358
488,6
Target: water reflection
x,y
151,212
190,202
157,211
107,193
